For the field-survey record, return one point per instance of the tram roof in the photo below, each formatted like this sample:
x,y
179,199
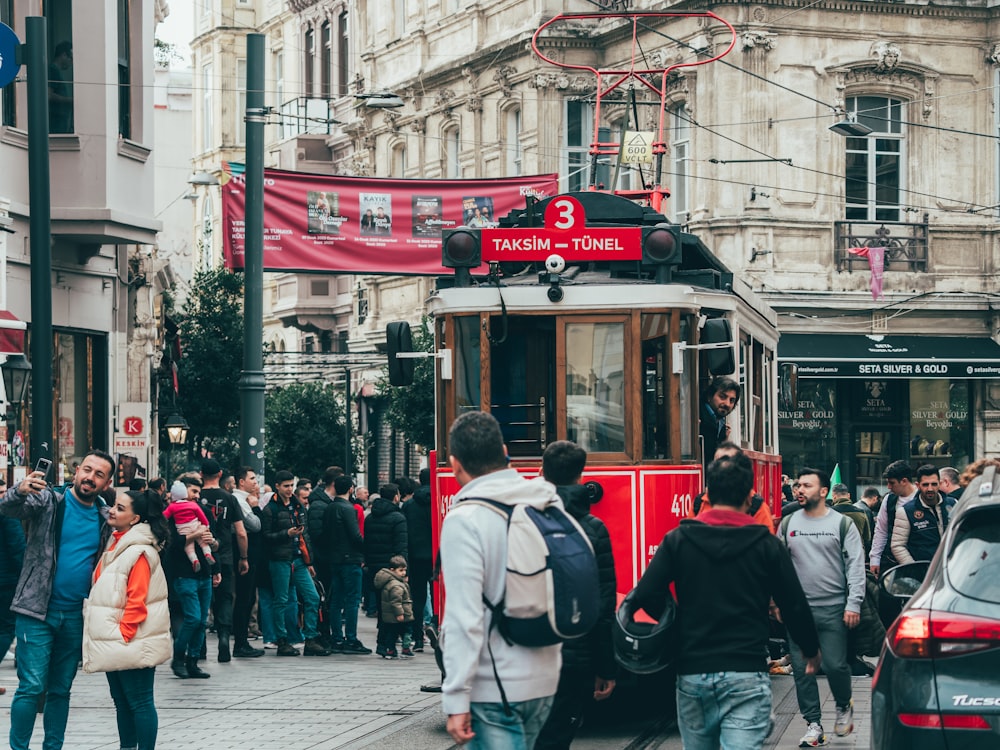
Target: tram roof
x,y
597,291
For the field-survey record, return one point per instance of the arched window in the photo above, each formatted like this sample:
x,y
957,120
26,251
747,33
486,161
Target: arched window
x,y
326,51
399,161
874,166
451,168
512,127
309,52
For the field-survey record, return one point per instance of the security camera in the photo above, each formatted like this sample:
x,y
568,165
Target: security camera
x,y
555,293
555,264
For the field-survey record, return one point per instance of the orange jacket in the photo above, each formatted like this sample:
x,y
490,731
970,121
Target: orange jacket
x,y
136,592
763,516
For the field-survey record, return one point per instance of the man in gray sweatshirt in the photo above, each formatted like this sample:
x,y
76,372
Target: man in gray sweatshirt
x,y
829,558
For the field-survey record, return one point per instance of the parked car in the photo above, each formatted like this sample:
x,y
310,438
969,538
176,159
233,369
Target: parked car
x,y
937,683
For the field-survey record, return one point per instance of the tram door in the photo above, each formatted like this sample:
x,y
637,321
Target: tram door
x,y
522,381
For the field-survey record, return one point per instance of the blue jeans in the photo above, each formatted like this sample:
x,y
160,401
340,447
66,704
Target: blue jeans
x,y
832,634
48,652
194,596
285,574
132,692
495,730
265,601
731,710
345,598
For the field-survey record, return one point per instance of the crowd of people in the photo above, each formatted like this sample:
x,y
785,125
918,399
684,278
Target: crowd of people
x,y
122,581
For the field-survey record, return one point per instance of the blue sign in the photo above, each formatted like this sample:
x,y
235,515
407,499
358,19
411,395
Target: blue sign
x,y
8,49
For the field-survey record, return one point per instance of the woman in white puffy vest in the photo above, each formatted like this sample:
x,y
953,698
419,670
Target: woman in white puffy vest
x,y
126,630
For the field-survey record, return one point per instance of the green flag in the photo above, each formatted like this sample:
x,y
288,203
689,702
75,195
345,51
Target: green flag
x,y
834,480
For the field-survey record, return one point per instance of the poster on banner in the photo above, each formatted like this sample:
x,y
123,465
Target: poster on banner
x,y
322,223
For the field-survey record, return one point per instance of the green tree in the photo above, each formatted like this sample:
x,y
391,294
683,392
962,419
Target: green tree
x,y
411,408
304,425
211,357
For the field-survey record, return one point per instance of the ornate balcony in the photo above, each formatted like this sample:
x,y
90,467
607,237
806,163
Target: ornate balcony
x,y
905,244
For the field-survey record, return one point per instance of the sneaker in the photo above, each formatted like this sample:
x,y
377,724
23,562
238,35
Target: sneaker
x,y
337,646
406,653
354,646
313,647
270,646
844,724
390,653
432,636
196,566
418,649
246,651
814,736
286,649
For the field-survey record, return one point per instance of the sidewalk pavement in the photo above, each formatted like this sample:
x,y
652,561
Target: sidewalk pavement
x,y
352,702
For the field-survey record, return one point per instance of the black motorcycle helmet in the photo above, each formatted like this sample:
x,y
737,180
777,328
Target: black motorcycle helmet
x,y
644,647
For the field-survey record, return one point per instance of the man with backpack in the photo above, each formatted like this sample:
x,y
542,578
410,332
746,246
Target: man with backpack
x,y
487,677
826,551
588,670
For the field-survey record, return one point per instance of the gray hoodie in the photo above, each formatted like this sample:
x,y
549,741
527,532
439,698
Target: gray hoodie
x,y
474,562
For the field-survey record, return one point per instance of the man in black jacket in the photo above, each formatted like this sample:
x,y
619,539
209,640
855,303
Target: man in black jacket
x,y
347,553
588,664
718,401
726,570
321,543
421,552
385,533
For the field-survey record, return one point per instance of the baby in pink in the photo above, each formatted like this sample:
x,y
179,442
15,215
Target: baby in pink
x,y
188,516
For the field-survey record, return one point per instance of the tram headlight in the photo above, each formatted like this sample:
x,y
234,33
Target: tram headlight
x,y
461,248
661,245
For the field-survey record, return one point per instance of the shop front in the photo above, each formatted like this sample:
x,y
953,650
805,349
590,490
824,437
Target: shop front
x,y
864,401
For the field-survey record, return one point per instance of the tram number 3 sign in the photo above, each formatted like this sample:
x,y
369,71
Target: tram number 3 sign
x,y
565,233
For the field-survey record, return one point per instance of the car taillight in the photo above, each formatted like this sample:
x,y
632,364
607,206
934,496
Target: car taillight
x,y
921,634
945,721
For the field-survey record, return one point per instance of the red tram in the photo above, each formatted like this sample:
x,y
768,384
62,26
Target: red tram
x,y
600,322
608,345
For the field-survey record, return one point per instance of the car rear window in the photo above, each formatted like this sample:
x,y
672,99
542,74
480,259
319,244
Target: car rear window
x,y
974,561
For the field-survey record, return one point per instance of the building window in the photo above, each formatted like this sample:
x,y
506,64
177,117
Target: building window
x,y
398,18
8,94
80,384
343,56
513,141
124,70
310,54
325,60
874,164
59,21
207,108
680,151
576,158
241,100
342,345
319,287
452,147
399,161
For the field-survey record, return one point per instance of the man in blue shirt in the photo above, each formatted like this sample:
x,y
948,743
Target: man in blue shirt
x,y
64,539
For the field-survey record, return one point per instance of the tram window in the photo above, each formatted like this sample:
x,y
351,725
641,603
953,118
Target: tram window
x,y
522,383
595,386
655,398
467,365
689,399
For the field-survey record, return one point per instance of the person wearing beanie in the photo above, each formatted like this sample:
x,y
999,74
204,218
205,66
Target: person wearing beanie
x,y
187,516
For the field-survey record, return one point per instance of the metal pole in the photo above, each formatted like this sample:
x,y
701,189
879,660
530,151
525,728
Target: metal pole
x,y
251,384
348,468
41,238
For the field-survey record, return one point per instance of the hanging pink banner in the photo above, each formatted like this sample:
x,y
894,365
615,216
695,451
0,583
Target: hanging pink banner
x,y
367,225
876,262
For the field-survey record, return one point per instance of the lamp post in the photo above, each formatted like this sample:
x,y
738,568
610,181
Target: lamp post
x,y
177,432
16,374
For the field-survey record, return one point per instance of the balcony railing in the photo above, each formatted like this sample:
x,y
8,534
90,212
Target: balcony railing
x,y
306,116
905,244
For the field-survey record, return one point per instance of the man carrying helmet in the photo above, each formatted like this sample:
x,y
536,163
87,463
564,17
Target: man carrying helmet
x,y
726,570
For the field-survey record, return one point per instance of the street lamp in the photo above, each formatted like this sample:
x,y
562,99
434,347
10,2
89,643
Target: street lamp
x,y
16,374
177,431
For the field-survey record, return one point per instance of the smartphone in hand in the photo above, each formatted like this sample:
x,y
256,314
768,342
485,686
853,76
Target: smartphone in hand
x,y
43,465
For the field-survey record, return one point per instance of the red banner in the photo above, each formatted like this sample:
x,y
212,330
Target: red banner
x,y
367,225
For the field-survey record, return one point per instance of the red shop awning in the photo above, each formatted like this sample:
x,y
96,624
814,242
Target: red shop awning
x,y
11,334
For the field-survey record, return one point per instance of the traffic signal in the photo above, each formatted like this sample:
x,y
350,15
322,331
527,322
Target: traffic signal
x,y
662,248
399,339
461,249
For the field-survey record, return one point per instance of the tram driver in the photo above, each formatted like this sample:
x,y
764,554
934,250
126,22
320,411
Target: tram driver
x,y
718,401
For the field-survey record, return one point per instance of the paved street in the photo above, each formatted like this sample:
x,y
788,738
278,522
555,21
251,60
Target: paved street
x,y
348,702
